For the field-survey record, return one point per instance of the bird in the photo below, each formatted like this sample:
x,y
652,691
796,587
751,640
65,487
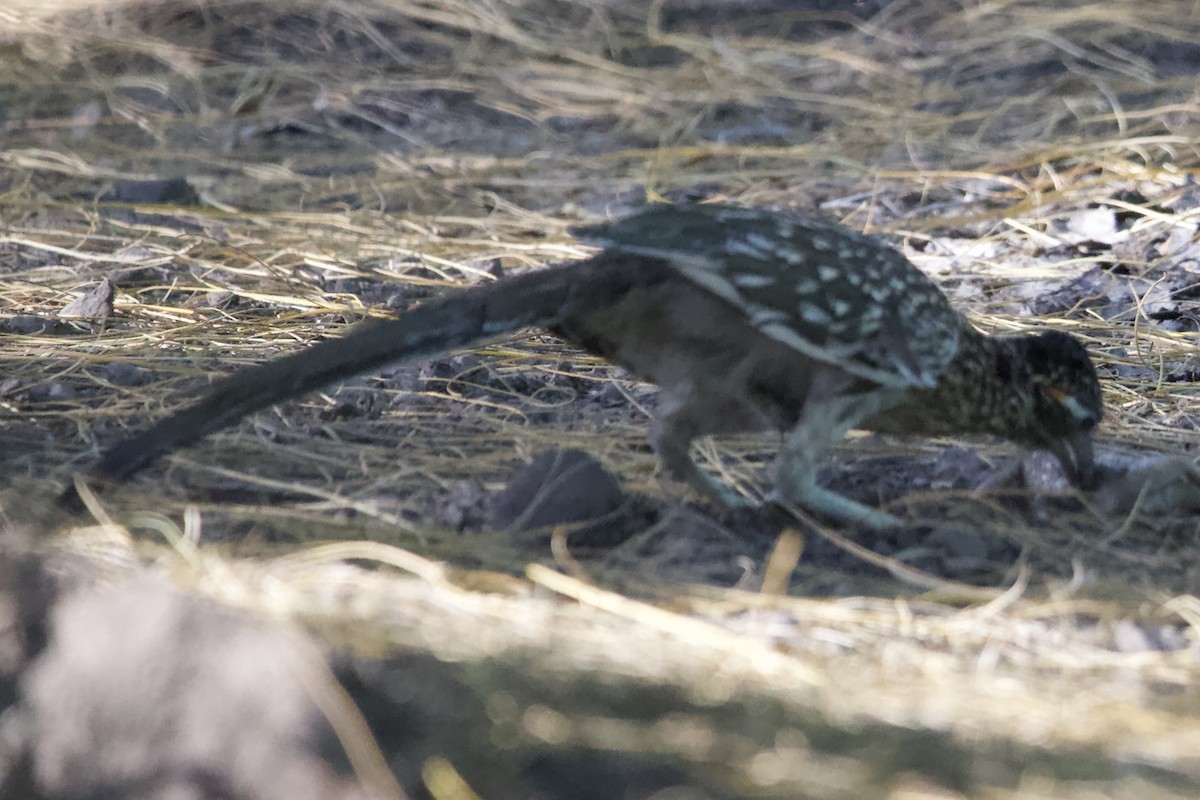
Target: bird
x,y
747,320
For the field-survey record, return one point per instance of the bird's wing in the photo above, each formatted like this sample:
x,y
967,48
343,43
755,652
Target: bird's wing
x,y
831,293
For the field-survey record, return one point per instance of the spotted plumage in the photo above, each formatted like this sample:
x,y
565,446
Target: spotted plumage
x,y
876,345
747,320
820,288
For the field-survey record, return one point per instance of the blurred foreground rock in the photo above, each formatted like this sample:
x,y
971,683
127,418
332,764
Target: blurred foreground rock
x,y
137,690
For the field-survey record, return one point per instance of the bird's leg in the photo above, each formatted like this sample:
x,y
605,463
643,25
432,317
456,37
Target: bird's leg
x,y
826,419
672,439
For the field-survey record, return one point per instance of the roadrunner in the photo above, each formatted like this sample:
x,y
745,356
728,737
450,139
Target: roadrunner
x,y
747,320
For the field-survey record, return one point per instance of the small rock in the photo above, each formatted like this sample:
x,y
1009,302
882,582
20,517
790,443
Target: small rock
x,y
1043,473
221,298
1131,638
157,191
1094,224
404,296
122,374
1168,637
30,323
96,304
403,378
558,487
1158,487
193,700
461,507
59,391
957,467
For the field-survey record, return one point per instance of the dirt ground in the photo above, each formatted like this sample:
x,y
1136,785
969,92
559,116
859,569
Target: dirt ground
x,y
465,576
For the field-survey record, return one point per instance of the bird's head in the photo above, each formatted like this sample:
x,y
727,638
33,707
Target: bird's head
x,y
1065,403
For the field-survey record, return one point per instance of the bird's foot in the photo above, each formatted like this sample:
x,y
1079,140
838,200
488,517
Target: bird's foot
x,y
709,487
811,497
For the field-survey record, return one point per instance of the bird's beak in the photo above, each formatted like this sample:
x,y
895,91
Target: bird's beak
x,y
1077,459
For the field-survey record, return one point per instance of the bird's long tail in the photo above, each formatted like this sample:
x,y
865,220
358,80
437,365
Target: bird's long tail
x,y
456,320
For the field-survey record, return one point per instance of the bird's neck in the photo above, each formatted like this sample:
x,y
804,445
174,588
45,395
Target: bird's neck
x,y
984,389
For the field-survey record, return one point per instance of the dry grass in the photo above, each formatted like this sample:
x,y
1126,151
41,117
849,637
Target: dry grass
x,y
345,151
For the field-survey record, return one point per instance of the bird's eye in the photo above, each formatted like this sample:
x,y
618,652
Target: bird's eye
x,y
1087,423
